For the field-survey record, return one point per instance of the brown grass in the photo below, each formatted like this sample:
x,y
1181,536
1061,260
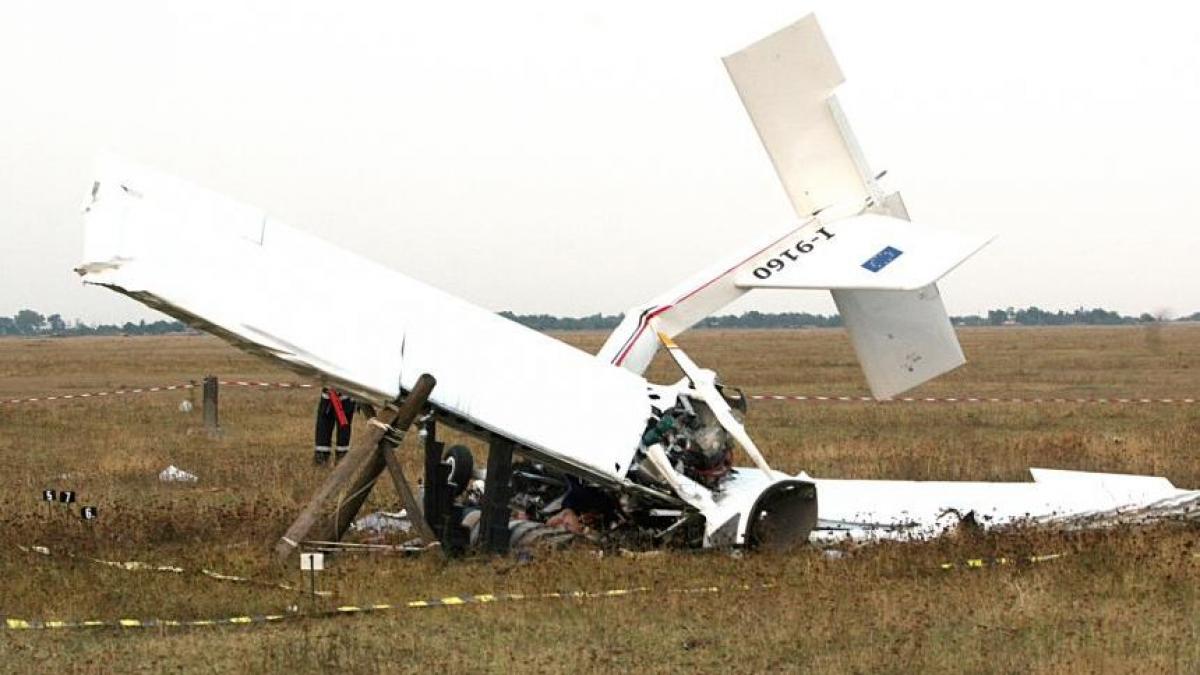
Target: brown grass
x,y
1122,601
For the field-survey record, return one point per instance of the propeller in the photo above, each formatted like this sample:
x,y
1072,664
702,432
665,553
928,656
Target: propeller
x,y
704,382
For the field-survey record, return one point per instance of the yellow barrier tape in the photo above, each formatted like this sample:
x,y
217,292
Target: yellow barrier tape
x,y
979,563
446,601
137,566
343,610
31,624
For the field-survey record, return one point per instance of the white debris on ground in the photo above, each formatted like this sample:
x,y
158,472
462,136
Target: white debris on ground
x,y
383,521
185,406
173,474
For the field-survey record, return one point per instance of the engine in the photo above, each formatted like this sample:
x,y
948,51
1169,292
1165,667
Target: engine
x,y
695,442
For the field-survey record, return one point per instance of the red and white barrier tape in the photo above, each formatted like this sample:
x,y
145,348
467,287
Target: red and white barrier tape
x,y
268,385
961,399
147,390
98,394
755,397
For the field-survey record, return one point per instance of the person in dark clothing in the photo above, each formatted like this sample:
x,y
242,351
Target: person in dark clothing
x,y
328,418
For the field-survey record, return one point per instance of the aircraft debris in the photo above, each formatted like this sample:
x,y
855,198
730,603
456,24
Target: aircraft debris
x,y
585,444
381,522
173,474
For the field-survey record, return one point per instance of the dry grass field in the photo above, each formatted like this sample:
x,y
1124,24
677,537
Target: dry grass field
x,y
1119,601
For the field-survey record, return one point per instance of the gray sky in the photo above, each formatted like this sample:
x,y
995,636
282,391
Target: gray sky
x,y
575,157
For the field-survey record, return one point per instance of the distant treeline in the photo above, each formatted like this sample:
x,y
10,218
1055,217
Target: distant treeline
x,y
29,322
609,321
1030,316
1035,316
752,319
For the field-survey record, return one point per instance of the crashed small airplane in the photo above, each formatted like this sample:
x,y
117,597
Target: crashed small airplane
x,y
661,453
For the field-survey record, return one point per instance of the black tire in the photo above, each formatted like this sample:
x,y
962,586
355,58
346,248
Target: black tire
x,y
462,466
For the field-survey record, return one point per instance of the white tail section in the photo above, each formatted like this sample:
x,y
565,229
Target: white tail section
x,y
855,241
882,271
899,261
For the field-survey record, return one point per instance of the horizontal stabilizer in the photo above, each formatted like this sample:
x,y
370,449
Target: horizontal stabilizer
x,y
868,251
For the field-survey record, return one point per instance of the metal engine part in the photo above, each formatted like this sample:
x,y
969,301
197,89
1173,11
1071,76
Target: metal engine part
x,y
695,442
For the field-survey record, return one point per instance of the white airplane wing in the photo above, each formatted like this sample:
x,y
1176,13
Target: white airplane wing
x,y
232,270
867,510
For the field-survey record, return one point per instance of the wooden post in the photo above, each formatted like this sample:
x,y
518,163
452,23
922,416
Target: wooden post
x,y
416,514
434,484
364,464
211,390
350,500
497,492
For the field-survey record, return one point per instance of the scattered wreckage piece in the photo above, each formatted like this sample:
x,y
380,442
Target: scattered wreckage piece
x,y
173,474
872,510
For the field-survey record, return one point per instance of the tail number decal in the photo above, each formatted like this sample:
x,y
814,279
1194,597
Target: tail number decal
x,y
789,254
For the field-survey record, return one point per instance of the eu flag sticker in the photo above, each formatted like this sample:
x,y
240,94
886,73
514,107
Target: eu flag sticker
x,y
882,259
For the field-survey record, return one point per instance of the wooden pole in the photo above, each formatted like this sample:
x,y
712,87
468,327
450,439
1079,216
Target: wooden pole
x,y
434,483
416,514
497,491
350,500
211,390
363,464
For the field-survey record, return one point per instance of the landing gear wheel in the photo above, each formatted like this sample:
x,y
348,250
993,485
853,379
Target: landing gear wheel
x,y
462,466
783,516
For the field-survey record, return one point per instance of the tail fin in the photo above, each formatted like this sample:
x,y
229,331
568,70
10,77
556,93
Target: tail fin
x,y
855,241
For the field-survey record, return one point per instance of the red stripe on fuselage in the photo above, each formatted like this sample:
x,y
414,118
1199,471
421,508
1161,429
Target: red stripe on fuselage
x,y
646,320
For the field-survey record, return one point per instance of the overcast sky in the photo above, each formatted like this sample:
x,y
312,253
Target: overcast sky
x,y
579,157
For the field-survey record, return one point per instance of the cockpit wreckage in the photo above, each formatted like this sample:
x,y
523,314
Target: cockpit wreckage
x,y
656,459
